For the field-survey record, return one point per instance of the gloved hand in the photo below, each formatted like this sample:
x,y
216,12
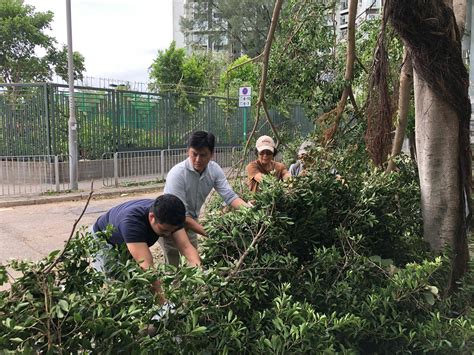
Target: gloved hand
x,y
164,311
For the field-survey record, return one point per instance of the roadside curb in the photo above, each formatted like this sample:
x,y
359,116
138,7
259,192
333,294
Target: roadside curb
x,y
76,196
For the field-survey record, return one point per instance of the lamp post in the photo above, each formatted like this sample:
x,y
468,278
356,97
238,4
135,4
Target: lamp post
x,y
72,124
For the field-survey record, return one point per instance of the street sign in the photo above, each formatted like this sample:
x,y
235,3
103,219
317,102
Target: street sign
x,y
245,91
244,101
245,96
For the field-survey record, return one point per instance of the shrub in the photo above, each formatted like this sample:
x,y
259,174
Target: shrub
x,y
318,265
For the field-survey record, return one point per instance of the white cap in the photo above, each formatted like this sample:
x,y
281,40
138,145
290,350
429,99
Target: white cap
x,y
265,143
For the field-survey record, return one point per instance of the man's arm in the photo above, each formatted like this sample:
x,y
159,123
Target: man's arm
x,y
191,223
186,248
142,255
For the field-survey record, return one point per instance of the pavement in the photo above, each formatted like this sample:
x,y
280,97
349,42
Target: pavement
x,y
84,188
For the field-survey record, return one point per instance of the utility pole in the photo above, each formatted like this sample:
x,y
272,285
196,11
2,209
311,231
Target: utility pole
x,y
72,124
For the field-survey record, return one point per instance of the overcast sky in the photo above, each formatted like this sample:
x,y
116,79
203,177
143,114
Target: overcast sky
x,y
118,38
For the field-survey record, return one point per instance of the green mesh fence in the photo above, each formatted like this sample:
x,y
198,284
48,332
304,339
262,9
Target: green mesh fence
x,y
34,120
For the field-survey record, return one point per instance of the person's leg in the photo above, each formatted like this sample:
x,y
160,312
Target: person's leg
x,y
170,252
102,257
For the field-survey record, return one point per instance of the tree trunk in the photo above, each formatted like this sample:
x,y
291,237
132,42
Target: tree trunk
x,y
442,118
437,148
460,9
406,85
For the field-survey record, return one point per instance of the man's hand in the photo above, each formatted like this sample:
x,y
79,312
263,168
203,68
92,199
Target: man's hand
x,y
142,255
164,311
186,248
191,223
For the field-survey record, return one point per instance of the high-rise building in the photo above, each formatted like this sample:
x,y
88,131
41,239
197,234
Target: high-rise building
x,y
366,10
178,12
207,33
210,36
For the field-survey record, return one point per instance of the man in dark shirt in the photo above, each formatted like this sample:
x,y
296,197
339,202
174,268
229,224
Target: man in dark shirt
x,y
138,224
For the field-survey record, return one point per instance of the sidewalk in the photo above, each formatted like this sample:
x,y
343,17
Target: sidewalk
x,y
82,193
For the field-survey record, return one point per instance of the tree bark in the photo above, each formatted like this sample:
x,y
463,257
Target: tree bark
x,y
442,118
460,11
437,147
406,85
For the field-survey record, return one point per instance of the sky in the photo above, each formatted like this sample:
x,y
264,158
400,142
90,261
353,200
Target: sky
x,y
118,38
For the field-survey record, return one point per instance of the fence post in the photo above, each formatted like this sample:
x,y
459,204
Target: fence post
x,y
116,169
46,118
162,164
56,172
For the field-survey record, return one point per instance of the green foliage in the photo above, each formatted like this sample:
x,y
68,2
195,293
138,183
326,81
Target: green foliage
x,y
320,264
167,68
243,75
22,33
304,67
187,76
60,63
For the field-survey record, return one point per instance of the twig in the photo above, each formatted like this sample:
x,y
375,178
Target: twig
x,y
48,269
270,122
255,240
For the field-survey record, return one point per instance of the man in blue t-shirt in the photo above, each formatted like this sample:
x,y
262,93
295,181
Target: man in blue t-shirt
x,y
139,224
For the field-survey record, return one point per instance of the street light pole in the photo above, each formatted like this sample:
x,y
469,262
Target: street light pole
x,y
72,124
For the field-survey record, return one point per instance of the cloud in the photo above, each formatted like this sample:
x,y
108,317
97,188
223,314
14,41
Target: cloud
x,y
116,37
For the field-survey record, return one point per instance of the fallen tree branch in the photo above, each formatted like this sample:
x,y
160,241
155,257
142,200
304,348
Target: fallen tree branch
x,y
48,269
348,76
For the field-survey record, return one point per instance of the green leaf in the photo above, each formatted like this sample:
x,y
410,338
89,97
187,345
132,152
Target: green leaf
x,y
386,262
64,305
268,343
376,259
429,298
198,330
77,317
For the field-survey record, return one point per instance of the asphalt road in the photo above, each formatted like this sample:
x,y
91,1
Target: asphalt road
x,y
32,232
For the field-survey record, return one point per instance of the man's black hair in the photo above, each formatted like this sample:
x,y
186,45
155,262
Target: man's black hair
x,y
202,139
169,209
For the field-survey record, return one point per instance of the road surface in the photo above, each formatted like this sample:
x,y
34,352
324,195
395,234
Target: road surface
x,y
32,232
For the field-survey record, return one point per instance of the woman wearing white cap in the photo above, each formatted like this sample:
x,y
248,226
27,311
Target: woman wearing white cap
x,y
265,151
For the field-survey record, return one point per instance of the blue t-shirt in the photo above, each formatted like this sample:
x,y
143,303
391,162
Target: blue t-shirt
x,y
130,222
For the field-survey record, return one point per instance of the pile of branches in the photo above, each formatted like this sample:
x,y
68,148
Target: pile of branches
x,y
319,264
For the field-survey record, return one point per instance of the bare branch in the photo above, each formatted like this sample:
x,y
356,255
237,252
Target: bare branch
x,y
48,269
406,84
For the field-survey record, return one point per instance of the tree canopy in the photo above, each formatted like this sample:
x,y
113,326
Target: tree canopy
x,y
22,36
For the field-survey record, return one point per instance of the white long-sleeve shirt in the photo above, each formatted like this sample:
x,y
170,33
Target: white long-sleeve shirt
x,y
193,188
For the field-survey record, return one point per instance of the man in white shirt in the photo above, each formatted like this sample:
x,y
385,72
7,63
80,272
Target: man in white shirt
x,y
192,180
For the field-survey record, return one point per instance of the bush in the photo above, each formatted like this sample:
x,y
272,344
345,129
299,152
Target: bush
x,y
319,265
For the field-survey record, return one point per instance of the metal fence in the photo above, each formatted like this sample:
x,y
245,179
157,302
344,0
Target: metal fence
x,y
27,175
34,120
137,167
40,174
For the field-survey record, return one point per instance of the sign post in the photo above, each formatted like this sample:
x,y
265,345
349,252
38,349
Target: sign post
x,y
245,100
